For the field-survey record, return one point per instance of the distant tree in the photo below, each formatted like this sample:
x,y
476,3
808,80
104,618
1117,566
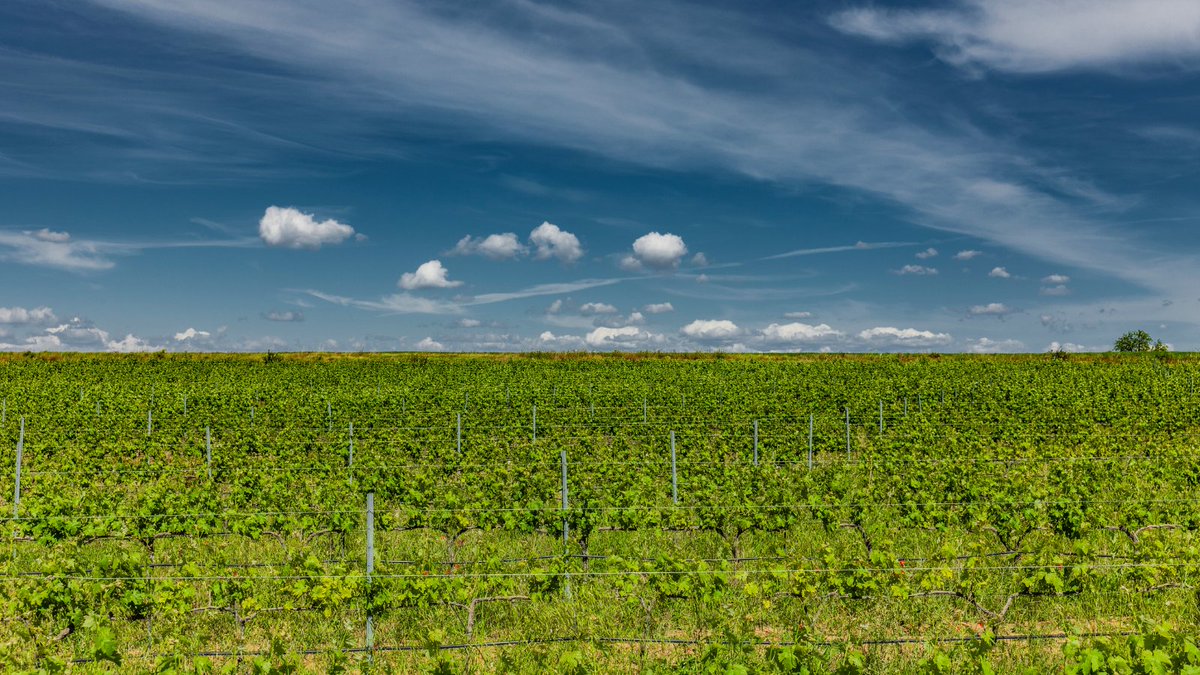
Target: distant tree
x,y
1138,341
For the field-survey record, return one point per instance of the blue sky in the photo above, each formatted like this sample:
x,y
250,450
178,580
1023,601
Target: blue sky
x,y
963,175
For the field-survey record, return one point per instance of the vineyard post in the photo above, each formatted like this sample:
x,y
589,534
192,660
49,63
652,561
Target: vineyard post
x,y
562,458
185,406
350,456
370,571
4,411
906,406
535,422
755,442
674,473
459,432
251,413
810,440
847,432
20,451
208,450
149,421
919,407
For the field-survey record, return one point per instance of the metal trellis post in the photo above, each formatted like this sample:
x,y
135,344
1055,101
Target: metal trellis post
x,y
674,473
370,571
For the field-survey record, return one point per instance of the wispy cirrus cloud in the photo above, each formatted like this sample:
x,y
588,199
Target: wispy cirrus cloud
x,y
551,76
1032,36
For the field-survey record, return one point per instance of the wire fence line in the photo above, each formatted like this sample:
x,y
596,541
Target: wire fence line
x,y
550,508
532,642
789,571
826,458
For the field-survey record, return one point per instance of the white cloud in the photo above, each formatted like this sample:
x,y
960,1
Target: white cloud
x,y
1057,346
22,315
469,323
711,329
799,332
129,344
989,346
284,317
56,249
797,315
428,344
919,270
928,253
999,273
991,309
700,260
904,336
428,275
560,340
552,242
192,333
967,254
1057,290
1056,279
504,246
593,308
289,228
555,307
656,251
1034,36
78,335
658,308
608,337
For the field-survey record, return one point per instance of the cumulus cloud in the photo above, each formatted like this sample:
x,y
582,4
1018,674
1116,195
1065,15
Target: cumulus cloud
x,y
1034,36
504,246
287,227
918,270
594,308
656,251
428,275
469,323
904,336
658,308
999,273
550,241
46,248
989,346
1057,346
428,344
1058,290
78,334
548,338
130,344
991,309
711,329
799,332
928,253
797,315
22,315
604,335
967,254
284,317
555,307
700,260
1056,279
192,334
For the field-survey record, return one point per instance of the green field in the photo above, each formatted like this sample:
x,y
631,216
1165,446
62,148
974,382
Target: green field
x,y
940,514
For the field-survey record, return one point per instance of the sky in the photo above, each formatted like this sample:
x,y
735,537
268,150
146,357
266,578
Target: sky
x,y
379,175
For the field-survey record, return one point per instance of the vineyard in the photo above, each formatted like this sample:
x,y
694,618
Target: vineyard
x,y
573,514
